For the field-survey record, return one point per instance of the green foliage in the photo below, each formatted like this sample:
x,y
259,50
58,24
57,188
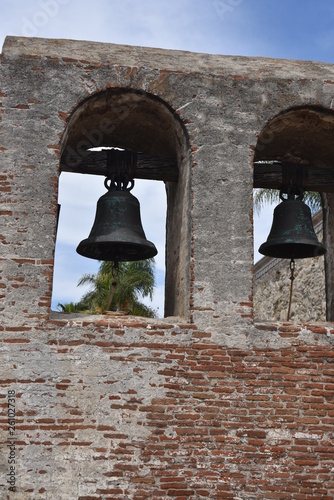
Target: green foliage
x,y
134,280
70,307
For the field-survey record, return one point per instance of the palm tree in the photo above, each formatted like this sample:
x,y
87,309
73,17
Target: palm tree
x,y
70,307
120,293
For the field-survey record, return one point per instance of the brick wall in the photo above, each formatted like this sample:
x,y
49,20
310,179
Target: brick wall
x,y
126,409
211,405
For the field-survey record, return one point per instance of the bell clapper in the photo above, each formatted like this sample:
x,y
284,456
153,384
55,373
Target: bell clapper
x,y
292,277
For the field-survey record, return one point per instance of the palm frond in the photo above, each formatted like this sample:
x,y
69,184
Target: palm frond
x,y
86,278
133,279
263,196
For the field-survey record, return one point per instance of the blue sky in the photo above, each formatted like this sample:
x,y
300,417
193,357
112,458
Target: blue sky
x,y
289,29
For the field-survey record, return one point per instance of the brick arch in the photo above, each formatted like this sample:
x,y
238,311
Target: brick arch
x,y
138,121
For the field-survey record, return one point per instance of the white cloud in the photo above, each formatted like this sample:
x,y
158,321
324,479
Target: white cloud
x,y
262,226
68,269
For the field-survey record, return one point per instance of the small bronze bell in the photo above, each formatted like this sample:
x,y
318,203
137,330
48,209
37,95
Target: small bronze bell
x,y
292,235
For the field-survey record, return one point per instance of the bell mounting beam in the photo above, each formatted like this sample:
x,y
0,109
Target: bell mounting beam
x,y
272,176
162,168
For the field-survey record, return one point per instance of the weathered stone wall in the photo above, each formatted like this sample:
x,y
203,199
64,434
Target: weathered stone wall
x,y
272,285
211,405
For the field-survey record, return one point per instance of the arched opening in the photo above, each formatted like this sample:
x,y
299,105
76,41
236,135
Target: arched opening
x,y
301,140
143,123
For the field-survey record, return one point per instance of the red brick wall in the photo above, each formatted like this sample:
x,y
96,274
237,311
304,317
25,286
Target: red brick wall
x,y
169,413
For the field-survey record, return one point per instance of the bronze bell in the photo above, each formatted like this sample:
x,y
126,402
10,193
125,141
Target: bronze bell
x,y
117,234
292,235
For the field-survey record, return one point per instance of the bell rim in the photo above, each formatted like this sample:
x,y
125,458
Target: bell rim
x,y
283,250
149,247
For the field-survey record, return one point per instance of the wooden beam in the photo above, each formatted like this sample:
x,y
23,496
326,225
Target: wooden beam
x,y
271,176
161,168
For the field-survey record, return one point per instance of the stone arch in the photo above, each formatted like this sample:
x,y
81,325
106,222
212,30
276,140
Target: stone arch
x,y
302,134
301,139
144,123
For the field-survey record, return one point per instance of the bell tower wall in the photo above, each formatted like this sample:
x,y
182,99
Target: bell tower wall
x,y
204,403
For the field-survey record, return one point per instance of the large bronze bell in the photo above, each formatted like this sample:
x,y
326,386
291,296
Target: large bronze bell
x,y
292,235
117,233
